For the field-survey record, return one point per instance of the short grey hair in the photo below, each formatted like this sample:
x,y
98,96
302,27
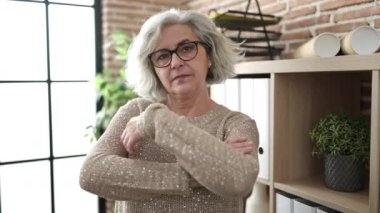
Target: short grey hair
x,y
140,74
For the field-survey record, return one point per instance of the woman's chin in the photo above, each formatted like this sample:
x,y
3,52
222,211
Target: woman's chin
x,y
183,91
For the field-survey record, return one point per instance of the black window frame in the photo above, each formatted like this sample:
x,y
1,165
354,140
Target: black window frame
x,y
98,69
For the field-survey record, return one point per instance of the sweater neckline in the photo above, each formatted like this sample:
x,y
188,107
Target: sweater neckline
x,y
208,115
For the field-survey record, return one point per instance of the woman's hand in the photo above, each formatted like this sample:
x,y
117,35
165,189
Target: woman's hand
x,y
131,135
242,145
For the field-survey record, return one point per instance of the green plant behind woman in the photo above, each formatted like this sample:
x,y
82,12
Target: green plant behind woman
x,y
111,89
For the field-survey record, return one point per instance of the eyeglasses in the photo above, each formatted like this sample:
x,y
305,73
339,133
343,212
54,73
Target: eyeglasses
x,y
185,51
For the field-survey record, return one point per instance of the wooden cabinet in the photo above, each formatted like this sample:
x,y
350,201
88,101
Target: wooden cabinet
x,y
301,91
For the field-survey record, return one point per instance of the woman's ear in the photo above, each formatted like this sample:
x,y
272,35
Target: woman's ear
x,y
209,75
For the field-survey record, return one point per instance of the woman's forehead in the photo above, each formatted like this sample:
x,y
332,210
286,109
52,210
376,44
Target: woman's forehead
x,y
172,35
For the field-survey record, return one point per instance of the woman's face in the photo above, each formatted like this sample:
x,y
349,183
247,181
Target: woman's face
x,y
181,77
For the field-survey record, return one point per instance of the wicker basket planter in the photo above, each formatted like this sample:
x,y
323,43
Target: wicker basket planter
x,y
343,173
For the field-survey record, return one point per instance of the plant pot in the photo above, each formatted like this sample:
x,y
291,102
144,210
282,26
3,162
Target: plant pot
x,y
343,173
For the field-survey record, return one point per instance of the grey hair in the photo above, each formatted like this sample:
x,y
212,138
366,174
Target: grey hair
x,y
140,74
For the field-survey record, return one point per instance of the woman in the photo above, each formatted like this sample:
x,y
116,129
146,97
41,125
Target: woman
x,y
174,149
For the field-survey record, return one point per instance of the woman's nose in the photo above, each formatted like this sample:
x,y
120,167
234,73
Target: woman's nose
x,y
176,61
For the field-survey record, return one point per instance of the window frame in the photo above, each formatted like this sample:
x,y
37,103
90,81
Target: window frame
x,y
98,69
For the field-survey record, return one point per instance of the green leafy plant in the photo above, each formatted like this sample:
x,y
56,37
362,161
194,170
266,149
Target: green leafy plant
x,y
112,91
342,134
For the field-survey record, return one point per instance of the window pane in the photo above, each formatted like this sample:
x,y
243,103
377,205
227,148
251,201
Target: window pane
x,y
25,188
73,109
67,189
81,2
72,39
22,41
24,122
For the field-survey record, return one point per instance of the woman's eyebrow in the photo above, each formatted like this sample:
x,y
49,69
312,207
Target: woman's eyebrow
x,y
183,41
180,42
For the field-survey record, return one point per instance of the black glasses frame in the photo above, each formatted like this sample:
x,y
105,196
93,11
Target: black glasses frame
x,y
205,45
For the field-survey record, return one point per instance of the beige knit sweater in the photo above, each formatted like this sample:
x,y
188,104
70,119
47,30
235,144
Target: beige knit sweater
x,y
182,163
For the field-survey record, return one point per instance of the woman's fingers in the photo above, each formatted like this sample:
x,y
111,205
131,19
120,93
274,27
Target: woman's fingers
x,y
236,140
245,150
131,144
130,136
246,147
242,145
123,137
130,141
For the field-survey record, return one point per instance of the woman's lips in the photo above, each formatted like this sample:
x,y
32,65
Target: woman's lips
x,y
180,77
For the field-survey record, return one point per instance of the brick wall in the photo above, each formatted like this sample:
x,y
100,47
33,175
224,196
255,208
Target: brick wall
x,y
302,19
126,16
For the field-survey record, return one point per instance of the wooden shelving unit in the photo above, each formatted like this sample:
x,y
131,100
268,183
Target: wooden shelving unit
x,y
314,189
303,90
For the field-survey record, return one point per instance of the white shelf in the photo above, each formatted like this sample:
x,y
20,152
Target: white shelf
x,y
337,63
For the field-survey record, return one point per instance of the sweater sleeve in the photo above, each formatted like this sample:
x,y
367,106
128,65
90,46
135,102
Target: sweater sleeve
x,y
207,159
108,172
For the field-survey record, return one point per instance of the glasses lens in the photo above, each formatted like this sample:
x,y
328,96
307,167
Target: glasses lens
x,y
187,51
161,58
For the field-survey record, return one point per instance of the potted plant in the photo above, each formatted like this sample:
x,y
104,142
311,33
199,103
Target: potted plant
x,y
344,140
112,91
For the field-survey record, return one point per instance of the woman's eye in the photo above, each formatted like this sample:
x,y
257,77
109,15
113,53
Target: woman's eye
x,y
163,56
186,48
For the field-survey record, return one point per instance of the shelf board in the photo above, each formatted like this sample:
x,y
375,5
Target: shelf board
x,y
336,63
313,189
263,181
